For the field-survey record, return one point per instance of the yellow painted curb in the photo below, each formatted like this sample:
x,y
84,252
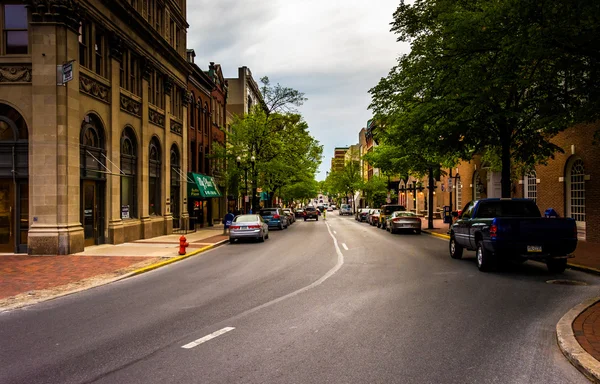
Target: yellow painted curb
x,y
174,259
584,268
441,236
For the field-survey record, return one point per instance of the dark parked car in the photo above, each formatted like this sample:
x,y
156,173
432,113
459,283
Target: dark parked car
x,y
299,212
311,213
361,214
499,229
274,217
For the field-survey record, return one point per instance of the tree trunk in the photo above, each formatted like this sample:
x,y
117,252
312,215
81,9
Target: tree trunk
x,y
506,167
430,205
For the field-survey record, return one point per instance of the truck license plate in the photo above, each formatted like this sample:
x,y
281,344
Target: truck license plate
x,y
534,248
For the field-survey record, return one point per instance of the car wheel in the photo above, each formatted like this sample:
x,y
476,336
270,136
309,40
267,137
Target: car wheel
x,y
418,231
231,241
485,259
317,218
267,235
556,265
393,231
456,250
261,239
280,227
305,219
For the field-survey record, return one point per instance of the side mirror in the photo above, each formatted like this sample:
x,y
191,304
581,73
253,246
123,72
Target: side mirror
x,y
454,213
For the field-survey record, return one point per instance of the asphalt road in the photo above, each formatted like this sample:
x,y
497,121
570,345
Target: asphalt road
x,y
321,302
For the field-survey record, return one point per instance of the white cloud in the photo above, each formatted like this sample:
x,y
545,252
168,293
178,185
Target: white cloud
x,y
332,50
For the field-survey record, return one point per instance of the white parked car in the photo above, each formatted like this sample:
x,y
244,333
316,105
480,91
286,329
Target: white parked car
x,y
248,227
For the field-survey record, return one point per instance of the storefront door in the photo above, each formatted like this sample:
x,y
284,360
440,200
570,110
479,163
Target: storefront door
x,y
90,213
7,222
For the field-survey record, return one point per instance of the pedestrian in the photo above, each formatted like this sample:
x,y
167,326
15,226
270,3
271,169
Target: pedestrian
x,y
227,221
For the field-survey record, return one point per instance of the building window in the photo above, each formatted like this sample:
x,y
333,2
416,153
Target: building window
x,y
477,186
176,105
160,12
206,119
16,35
177,38
128,179
155,90
84,43
130,77
154,183
99,52
151,10
172,33
576,191
192,112
530,186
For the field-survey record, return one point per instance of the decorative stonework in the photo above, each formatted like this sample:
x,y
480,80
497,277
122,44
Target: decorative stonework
x,y
116,47
187,98
15,74
176,127
55,11
93,88
156,118
168,84
146,68
131,106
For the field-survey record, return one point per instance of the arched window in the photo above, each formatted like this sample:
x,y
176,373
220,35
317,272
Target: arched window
x,y
154,182
459,194
477,186
530,186
206,119
576,190
175,184
129,176
92,152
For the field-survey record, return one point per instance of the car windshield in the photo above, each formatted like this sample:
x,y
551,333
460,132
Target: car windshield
x,y
287,210
387,210
309,209
404,214
246,219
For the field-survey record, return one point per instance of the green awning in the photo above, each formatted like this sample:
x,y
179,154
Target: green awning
x,y
203,186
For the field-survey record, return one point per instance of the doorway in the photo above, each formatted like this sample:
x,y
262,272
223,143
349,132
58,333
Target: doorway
x,y
92,219
7,221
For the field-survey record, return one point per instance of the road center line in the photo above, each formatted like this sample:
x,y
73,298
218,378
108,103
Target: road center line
x,y
207,337
335,232
331,272
345,246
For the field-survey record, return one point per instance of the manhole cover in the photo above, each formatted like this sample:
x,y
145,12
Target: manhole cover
x,y
566,282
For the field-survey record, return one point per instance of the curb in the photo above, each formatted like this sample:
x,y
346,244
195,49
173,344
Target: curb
x,y
172,260
440,235
571,348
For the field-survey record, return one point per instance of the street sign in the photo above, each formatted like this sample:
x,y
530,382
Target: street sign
x,y
67,72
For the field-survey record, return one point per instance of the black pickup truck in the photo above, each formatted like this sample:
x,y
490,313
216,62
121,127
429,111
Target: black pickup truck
x,y
500,229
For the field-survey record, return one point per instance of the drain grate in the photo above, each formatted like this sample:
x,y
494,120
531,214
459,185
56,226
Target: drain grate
x,y
566,282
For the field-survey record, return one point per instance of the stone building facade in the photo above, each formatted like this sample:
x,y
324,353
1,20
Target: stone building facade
x,y
91,160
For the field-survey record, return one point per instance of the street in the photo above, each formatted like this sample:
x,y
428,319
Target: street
x,y
332,301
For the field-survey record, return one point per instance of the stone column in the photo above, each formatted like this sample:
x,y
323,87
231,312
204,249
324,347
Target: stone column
x,y
143,149
54,144
165,188
116,234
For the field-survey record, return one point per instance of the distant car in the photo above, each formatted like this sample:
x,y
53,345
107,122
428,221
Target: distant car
x,y
374,218
333,206
289,214
403,221
274,217
248,227
345,209
361,214
299,212
311,213
330,209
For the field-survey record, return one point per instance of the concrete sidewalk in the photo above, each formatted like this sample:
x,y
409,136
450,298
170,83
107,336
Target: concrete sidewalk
x,y
28,279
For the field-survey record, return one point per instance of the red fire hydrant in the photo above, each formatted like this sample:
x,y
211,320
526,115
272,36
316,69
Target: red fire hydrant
x,y
182,245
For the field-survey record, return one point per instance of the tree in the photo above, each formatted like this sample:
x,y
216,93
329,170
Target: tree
x,y
482,77
349,179
376,191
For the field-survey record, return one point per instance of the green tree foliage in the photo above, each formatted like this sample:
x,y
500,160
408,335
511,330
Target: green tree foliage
x,y
284,152
347,181
486,77
375,190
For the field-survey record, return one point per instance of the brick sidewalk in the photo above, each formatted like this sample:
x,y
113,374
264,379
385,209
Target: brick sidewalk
x,y
21,274
586,328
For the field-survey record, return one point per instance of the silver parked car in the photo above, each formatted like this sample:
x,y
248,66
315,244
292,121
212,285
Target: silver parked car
x,y
403,221
248,227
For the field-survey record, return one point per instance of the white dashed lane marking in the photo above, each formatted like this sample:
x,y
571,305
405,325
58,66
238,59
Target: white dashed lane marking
x,y
207,337
345,246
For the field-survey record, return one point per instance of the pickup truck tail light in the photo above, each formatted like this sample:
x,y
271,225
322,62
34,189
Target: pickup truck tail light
x,y
493,231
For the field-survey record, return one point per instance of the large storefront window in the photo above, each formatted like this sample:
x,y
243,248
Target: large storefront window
x,y
154,179
128,179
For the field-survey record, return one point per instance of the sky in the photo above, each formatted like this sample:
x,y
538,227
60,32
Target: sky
x,y
334,51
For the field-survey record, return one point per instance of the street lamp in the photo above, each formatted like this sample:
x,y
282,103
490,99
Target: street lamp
x,y
245,168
